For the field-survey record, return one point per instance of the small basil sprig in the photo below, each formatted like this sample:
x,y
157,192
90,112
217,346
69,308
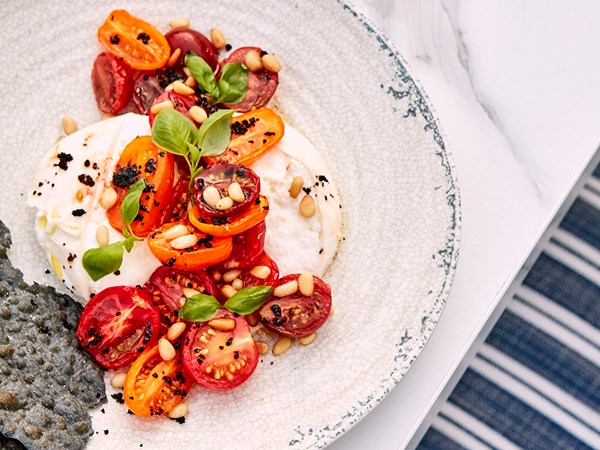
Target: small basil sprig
x,y
229,89
101,261
202,307
175,133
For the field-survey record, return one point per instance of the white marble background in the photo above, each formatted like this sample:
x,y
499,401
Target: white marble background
x,y
516,88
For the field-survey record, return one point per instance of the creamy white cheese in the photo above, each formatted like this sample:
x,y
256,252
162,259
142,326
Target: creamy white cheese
x,y
69,212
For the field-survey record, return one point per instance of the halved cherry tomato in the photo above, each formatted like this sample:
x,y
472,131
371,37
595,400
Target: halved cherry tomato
x,y
261,85
182,103
112,81
206,251
141,45
117,324
176,209
220,177
154,386
229,226
189,40
150,84
142,159
166,285
247,248
218,359
252,134
297,315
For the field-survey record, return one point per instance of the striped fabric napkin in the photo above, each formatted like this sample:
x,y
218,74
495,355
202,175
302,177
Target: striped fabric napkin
x,y
535,381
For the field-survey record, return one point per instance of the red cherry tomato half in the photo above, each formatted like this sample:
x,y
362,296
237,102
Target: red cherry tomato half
x,y
182,103
166,290
221,176
188,40
154,386
117,324
261,85
296,315
176,210
218,359
247,247
150,84
112,81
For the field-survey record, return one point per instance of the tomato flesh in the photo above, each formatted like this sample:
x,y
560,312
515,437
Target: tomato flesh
x,y
117,324
247,247
112,81
220,360
153,386
297,315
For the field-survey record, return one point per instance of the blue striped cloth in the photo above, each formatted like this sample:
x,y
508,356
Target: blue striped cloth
x,y
534,383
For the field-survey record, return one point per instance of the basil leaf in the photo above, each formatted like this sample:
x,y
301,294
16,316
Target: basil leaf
x,y
172,131
128,243
247,300
202,73
233,83
194,154
131,203
215,132
101,261
199,308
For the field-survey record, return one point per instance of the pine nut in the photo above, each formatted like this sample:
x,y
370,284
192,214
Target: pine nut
x,y
217,39
231,275
198,114
191,82
189,292
262,346
306,284
175,330
271,63
80,194
174,57
235,192
261,272
228,291
222,324
252,318
216,275
102,235
307,340
253,62
296,186
69,125
181,88
118,380
331,312
307,207
238,284
167,104
189,240
175,232
289,288
179,411
109,197
211,196
181,22
166,349
224,204
282,346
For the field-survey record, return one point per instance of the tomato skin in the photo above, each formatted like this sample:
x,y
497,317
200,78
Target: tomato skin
x,y
112,81
210,251
157,168
188,40
297,315
164,384
165,288
144,50
255,214
119,316
220,176
247,248
248,144
176,210
261,85
227,350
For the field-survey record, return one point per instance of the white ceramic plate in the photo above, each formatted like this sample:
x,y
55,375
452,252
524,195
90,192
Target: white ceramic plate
x,y
346,88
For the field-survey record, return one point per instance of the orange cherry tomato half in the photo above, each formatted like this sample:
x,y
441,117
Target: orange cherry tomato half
x,y
154,386
142,159
230,226
252,134
205,250
141,45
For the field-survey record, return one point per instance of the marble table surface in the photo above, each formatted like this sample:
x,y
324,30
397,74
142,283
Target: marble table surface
x,y
515,86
